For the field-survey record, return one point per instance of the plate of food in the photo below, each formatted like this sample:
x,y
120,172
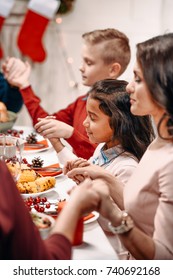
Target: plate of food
x,y
34,185
39,146
44,193
54,170
90,218
28,181
43,222
32,141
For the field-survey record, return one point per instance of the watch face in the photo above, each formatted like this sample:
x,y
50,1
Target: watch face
x,y
126,225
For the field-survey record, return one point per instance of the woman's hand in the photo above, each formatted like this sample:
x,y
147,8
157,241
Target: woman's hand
x,y
97,172
84,198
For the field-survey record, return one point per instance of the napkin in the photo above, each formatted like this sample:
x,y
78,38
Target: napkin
x,y
50,173
46,145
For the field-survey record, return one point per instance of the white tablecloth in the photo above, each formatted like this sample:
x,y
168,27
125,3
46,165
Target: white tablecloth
x,y
95,243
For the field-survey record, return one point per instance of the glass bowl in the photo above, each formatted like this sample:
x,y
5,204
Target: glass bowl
x,y
44,223
10,149
4,126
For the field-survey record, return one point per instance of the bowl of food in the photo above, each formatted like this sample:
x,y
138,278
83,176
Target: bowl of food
x,y
8,146
9,122
43,222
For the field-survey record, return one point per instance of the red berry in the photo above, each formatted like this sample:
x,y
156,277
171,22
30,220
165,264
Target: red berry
x,y
41,209
28,203
36,207
43,199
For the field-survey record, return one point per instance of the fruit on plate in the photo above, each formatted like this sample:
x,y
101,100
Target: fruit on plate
x,y
39,204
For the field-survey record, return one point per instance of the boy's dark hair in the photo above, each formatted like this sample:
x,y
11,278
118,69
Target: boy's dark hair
x,y
116,45
134,133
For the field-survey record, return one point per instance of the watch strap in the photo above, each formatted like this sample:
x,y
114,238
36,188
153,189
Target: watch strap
x,y
126,225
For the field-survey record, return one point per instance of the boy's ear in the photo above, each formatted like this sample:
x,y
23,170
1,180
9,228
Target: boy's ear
x,y
115,70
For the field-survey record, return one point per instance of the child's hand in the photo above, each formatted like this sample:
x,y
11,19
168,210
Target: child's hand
x,y
50,128
79,162
16,72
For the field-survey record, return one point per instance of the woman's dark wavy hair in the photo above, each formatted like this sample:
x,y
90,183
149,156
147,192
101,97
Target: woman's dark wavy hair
x,y
134,133
155,57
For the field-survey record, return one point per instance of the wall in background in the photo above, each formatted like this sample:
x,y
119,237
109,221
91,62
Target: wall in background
x,y
51,79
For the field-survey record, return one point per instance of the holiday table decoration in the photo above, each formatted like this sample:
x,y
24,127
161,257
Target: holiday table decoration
x,y
36,20
5,9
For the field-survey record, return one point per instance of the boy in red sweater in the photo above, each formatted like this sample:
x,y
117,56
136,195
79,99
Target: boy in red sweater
x,y
105,54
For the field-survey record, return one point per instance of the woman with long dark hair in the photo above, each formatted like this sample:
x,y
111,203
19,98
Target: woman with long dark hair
x,y
146,225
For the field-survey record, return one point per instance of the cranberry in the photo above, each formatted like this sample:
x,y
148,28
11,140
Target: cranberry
x,y
48,205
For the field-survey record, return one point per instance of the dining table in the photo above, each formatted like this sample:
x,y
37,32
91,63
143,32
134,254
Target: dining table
x,y
96,245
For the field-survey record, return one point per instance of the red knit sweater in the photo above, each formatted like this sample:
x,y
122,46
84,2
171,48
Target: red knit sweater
x,y
74,115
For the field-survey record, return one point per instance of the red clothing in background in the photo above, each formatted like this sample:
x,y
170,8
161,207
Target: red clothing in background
x,y
73,115
19,237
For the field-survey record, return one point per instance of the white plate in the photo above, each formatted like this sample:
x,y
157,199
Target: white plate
x,y
32,151
26,195
93,219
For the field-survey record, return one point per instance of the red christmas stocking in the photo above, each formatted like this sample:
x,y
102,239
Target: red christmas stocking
x,y
36,20
5,9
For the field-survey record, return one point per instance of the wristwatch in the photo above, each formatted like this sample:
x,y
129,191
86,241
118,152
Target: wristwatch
x,y
126,225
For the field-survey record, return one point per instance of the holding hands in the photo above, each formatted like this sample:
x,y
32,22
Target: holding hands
x,y
95,195
94,172
50,128
84,197
79,162
107,208
16,72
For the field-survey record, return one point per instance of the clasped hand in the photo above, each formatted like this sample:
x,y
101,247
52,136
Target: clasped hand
x,y
50,128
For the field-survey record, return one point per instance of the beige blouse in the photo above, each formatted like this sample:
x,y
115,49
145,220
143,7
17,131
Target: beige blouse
x,y
148,196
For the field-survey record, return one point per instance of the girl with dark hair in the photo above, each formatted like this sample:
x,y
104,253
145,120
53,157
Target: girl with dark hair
x,y
146,225
122,137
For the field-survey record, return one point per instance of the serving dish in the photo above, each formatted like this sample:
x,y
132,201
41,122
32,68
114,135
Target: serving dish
x,y
27,195
43,222
10,148
4,126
